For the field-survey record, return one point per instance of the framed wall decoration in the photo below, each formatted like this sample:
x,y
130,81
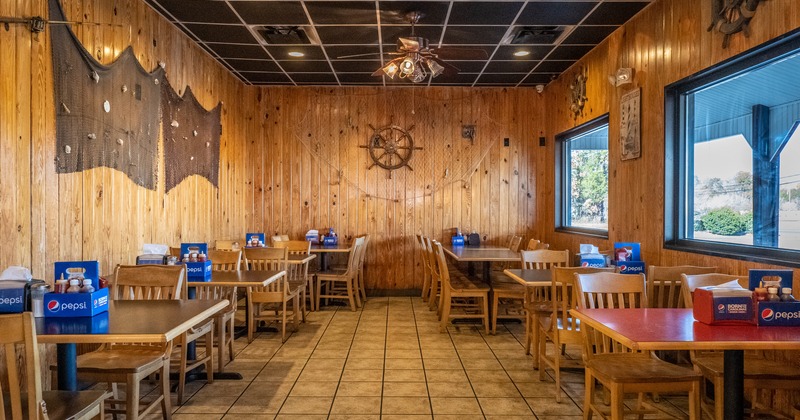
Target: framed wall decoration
x,y
629,133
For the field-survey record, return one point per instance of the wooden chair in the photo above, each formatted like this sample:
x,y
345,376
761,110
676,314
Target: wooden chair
x,y
276,239
298,273
434,296
274,297
223,261
24,399
422,254
664,284
560,327
361,282
227,245
341,283
618,368
470,299
538,303
760,373
175,252
129,363
535,244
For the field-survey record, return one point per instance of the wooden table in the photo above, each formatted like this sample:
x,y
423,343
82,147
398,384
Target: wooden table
x,y
676,329
324,250
484,254
138,321
530,278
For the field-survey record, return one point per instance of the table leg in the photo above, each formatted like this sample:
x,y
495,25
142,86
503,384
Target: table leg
x,y
323,261
67,361
470,268
487,272
734,384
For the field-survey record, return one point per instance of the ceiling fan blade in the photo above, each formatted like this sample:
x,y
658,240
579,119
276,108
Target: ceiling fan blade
x,y
451,53
449,69
409,44
341,57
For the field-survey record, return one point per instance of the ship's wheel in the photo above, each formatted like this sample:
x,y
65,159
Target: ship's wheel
x,y
732,16
391,147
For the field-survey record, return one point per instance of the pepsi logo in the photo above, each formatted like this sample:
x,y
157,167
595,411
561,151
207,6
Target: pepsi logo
x,y
721,307
623,267
53,306
584,264
767,314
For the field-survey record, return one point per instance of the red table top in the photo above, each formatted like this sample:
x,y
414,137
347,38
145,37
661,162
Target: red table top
x,y
676,329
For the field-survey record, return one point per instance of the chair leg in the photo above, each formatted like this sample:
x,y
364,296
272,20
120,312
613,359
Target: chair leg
x,y
231,354
132,397
426,285
445,311
542,349
219,323
318,291
432,304
283,323
485,299
719,400
695,412
297,312
362,286
535,340
588,394
350,296
182,369
251,325
528,326
495,307
210,355
617,402
166,402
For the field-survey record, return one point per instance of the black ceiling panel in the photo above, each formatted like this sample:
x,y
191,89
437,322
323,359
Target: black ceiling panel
x,y
589,34
188,11
555,13
348,34
614,13
239,51
266,77
557,33
483,13
252,65
271,12
474,34
536,52
282,52
509,66
353,66
230,34
394,12
338,12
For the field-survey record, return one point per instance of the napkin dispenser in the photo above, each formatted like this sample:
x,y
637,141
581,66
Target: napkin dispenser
x,y
723,304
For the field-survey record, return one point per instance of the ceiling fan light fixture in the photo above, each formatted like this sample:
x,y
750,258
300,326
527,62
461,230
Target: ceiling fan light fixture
x,y
419,74
436,68
407,66
391,69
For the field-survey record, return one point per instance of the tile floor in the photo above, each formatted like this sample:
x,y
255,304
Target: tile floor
x,y
387,361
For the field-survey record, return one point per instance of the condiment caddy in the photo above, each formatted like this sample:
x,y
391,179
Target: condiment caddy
x,y
75,293
198,266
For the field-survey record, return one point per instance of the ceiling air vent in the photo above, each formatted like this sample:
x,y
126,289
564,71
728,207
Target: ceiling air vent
x,y
287,35
536,35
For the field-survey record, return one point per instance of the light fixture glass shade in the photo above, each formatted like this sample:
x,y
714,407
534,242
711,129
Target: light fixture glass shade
x,y
418,75
436,68
407,66
391,69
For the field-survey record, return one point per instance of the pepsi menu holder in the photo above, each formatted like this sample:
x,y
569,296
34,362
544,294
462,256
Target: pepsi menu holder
x,y
194,247
86,269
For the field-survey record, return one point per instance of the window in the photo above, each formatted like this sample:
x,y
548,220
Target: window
x,y
733,147
582,178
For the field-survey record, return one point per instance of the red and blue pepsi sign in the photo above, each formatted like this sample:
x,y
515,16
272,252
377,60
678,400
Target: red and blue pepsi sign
x,y
784,314
75,304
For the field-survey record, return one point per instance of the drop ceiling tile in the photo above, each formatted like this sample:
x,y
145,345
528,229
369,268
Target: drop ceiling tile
x,y
348,34
230,34
468,66
342,12
161,11
537,52
359,78
504,78
391,33
252,65
460,78
312,52
394,12
313,78
238,51
539,78
271,12
614,13
188,11
554,13
591,35
569,52
266,77
509,66
483,13
305,66
479,35
554,66
353,66
337,51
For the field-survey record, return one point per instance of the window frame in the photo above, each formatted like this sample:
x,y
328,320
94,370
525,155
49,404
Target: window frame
x,y
563,182
676,155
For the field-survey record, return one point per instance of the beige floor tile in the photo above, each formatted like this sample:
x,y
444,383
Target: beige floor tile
x,y
406,417
207,405
523,375
325,363
306,405
314,389
354,417
504,406
519,417
268,389
403,364
537,389
488,376
459,417
356,405
222,389
549,407
362,375
439,353
359,389
481,364
404,375
455,406
244,417
366,354
406,405
517,364
364,363
450,389
331,353
320,375
300,416
405,389
279,375
442,363
495,389
257,404
446,375
476,354
193,416
402,354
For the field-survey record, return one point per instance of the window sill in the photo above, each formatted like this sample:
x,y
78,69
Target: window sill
x,y
780,257
594,233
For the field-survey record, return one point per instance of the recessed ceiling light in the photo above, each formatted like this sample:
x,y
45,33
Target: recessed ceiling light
x,y
521,53
296,54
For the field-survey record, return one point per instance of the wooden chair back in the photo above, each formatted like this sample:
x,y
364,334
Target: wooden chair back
x,y
276,239
175,252
227,245
565,295
18,329
148,282
664,284
689,282
295,247
514,242
354,256
362,254
439,265
544,259
535,244
266,258
225,260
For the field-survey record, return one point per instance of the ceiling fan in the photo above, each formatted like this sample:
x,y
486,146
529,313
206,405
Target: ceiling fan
x,y
416,60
